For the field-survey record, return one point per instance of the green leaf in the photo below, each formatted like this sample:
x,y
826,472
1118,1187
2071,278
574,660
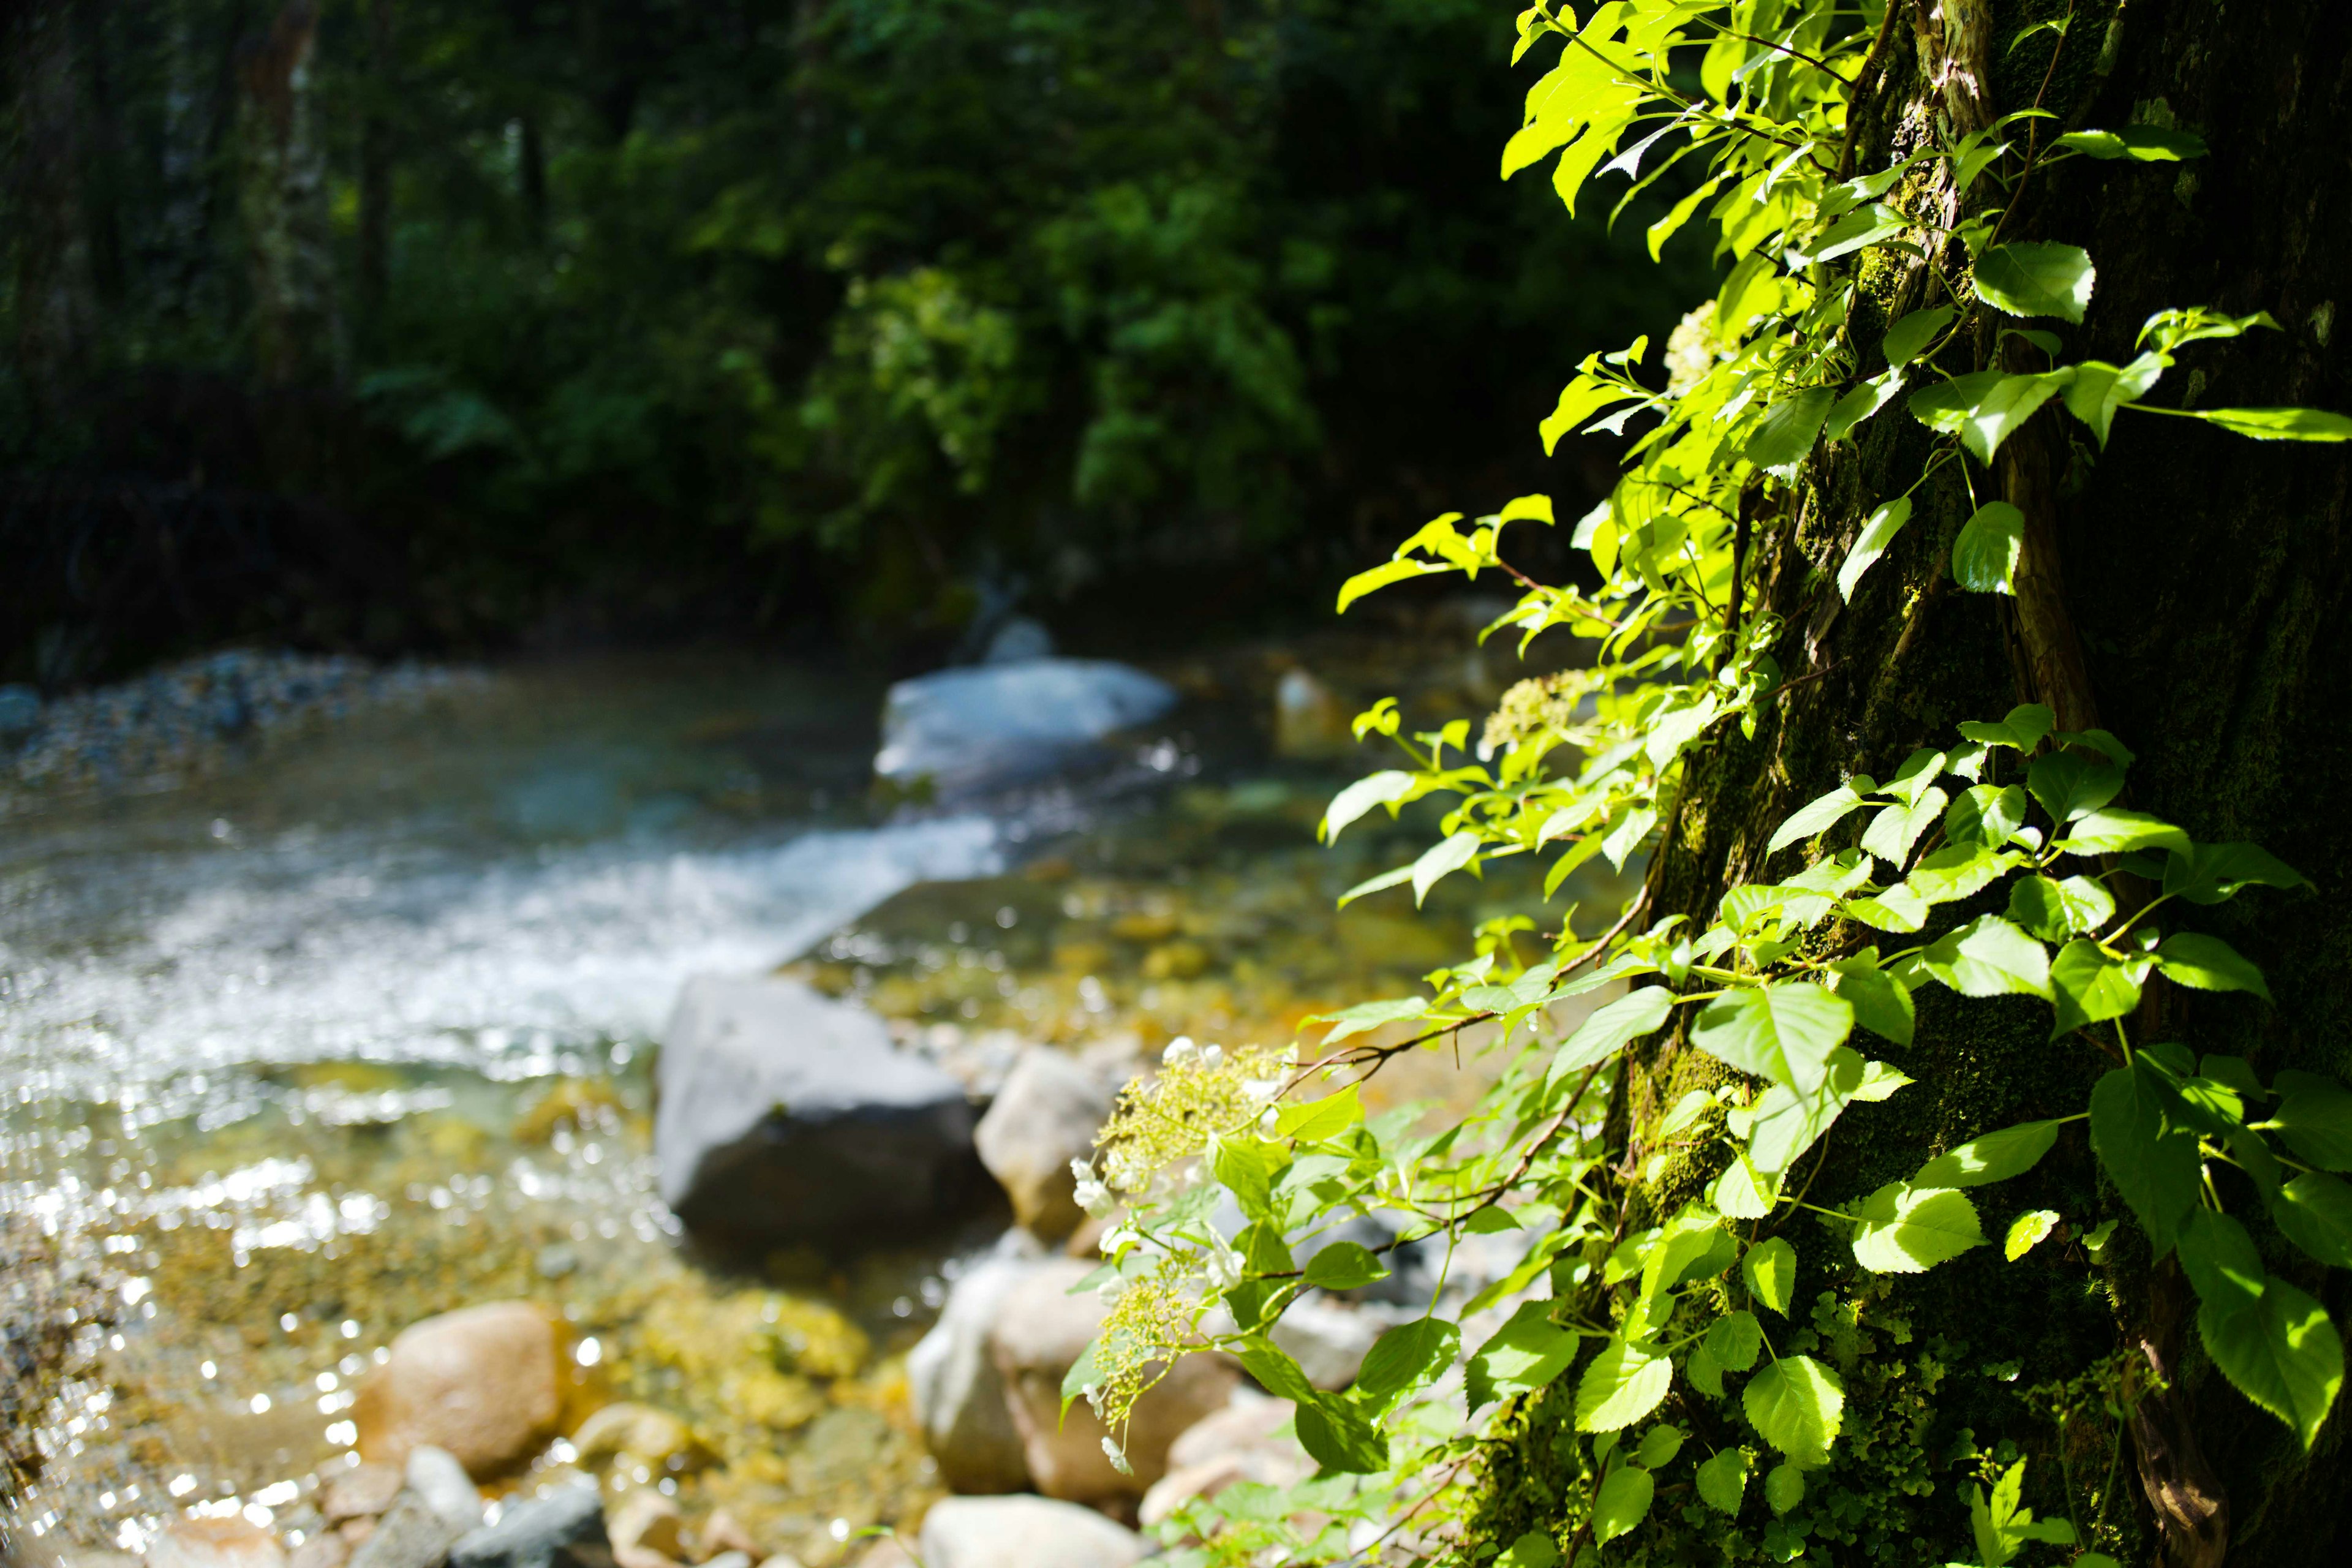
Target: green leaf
x,y
2153,1164
1380,576
2140,143
2208,964
1957,871
1659,1446
1784,1488
1995,1157
1340,1437
2023,729
1881,1003
1985,815
1861,403
2280,1351
2099,389
1385,788
1606,1032
1624,1383
2314,1212
1622,1502
2054,910
2114,831
2276,424
1862,226
1404,1357
1815,817
1898,908
1797,1405
2220,1258
2213,872
1365,1017
1532,1550
2026,1232
2314,1119
1894,830
1247,1167
1313,1121
2089,987
1273,1369
1984,408
1526,1352
1344,1265
1908,338
1784,1033
1909,1230
1789,429
1984,556
1784,1123
1442,858
2070,786
1885,521
1723,1480
1579,400
2036,278
1734,1340
1990,957
1771,1270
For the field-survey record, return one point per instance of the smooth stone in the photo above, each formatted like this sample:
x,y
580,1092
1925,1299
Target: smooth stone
x,y
1025,1532
1235,1444
647,1528
435,1475
1045,1115
989,726
1309,720
640,1435
564,1528
787,1116
484,1382
959,1396
409,1535
20,705
722,1533
214,1543
729,1559
1020,637
1038,1332
324,1550
362,1492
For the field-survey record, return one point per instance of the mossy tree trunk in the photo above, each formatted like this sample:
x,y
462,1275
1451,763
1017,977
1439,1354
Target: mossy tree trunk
x,y
2189,591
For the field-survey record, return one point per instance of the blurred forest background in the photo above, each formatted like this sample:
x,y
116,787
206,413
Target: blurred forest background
x,y
460,325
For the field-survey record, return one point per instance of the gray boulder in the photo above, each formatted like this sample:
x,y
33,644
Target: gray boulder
x,y
1046,1116
959,1396
992,725
1024,1532
564,1528
409,1535
786,1116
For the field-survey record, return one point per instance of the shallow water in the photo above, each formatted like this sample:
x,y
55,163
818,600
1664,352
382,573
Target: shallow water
x,y
357,1031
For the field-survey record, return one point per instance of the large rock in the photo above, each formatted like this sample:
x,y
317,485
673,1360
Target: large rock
x,y
564,1528
485,1382
992,725
786,1116
214,1543
1046,1116
439,1478
1238,1443
959,1395
1024,1532
1039,1331
412,1535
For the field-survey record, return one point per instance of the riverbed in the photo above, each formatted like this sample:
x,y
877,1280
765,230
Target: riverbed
x,y
355,1028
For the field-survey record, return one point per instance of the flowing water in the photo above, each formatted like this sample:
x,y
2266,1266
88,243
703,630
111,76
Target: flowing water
x,y
357,1030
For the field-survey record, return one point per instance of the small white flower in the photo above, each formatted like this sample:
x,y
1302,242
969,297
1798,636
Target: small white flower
x,y
1180,1050
1117,1460
1095,1197
1213,1058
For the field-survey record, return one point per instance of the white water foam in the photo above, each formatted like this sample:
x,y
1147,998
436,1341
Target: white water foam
x,y
117,972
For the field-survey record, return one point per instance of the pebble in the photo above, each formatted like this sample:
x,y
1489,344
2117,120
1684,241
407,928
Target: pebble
x,y
412,1535
482,1382
214,1543
565,1529
363,1491
436,1475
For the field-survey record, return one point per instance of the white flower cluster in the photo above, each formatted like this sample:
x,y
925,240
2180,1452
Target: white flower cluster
x,y
1094,1194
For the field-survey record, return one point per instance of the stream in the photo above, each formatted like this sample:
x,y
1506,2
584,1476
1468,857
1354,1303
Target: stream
x,y
356,1029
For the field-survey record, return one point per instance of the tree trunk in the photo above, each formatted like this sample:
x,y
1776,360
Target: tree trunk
x,y
283,201
2189,591
56,306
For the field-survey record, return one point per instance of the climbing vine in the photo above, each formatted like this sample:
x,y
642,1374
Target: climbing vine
x,y
1686,1351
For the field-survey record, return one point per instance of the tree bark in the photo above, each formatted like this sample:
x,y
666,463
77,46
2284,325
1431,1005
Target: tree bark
x,y
2191,592
283,203
372,278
